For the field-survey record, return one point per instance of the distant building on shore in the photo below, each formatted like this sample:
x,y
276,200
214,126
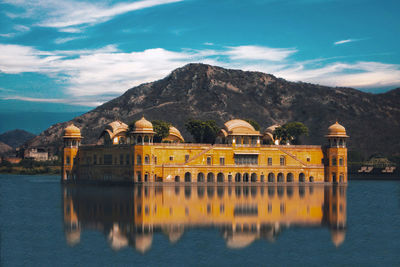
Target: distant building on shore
x,y
240,156
38,154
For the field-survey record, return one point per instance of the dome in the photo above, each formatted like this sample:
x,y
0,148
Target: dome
x,y
240,127
143,126
72,132
175,132
336,130
114,128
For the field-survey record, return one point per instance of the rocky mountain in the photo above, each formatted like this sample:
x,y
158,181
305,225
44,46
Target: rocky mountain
x,y
15,138
209,92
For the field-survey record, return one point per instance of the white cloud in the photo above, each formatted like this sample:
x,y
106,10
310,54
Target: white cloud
x,y
7,35
71,30
66,39
251,52
91,76
73,101
21,28
345,41
70,15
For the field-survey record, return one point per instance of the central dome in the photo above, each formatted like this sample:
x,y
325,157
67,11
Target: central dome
x,y
239,127
143,126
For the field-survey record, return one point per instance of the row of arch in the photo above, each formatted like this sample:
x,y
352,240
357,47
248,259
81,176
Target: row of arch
x,y
245,177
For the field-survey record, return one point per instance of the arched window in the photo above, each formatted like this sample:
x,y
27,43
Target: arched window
x,y
271,177
302,178
280,177
146,177
146,159
254,177
340,161
188,177
341,178
139,176
146,139
210,177
289,177
200,177
138,159
177,178
245,177
220,177
238,177
139,139
262,178
311,179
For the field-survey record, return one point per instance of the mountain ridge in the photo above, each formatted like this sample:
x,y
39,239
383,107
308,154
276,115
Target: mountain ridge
x,y
15,138
209,92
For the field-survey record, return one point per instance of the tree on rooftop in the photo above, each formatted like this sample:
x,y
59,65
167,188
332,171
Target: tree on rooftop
x,y
254,124
290,132
161,128
202,131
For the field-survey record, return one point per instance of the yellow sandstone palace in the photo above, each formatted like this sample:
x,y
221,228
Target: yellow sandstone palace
x,y
239,156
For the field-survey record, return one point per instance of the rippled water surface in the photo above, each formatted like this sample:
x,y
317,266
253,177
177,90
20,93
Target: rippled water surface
x,y
43,223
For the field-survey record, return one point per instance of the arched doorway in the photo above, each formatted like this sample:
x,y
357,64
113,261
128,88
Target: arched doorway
x,y
177,178
220,177
289,177
254,177
271,177
302,177
280,177
188,177
210,177
245,177
200,177
311,179
238,177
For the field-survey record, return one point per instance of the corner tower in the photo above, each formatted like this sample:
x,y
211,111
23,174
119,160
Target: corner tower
x,y
72,139
336,154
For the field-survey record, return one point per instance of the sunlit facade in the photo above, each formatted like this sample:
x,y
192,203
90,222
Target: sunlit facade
x,y
130,216
241,155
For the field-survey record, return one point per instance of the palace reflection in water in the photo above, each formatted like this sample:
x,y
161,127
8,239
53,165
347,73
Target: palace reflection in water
x,y
129,216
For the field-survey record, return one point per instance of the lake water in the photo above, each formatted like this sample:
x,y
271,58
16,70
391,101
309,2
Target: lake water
x,y
43,223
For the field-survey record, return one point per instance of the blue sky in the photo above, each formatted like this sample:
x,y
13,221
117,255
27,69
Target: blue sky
x,y
74,55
